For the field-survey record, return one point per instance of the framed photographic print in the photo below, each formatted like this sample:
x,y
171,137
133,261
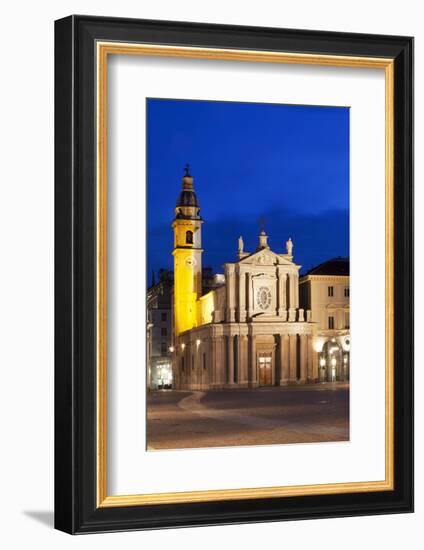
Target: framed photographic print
x,y
234,274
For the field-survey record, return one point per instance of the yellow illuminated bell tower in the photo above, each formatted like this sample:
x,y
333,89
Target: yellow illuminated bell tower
x,y
187,254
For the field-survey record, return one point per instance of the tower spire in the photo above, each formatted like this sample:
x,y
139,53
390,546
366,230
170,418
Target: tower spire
x,y
188,197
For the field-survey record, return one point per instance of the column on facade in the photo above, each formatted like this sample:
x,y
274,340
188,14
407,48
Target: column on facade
x,y
242,360
288,297
242,296
230,359
223,365
292,357
236,352
284,359
230,288
282,305
310,360
252,361
219,361
215,360
303,357
206,378
292,297
292,291
296,290
249,295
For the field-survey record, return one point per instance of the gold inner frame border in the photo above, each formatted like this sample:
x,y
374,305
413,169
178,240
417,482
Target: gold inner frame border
x,y
103,50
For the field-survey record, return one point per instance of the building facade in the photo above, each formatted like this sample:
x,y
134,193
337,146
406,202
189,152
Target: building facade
x,y
159,333
249,330
325,291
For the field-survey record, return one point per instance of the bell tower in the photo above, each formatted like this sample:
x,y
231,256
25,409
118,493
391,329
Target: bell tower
x,y
187,226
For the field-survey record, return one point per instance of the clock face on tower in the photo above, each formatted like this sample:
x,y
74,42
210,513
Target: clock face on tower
x,y
263,297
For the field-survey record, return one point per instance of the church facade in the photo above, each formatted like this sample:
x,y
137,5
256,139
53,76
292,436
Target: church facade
x,y
247,332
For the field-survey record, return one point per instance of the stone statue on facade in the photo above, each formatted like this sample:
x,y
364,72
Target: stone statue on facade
x,y
240,245
289,247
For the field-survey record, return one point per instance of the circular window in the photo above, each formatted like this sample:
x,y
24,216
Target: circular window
x,y
263,297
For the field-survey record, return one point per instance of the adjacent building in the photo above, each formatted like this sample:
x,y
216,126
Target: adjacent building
x,y
159,333
325,291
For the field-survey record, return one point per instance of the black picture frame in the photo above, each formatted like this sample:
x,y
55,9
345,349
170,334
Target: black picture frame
x,y
76,510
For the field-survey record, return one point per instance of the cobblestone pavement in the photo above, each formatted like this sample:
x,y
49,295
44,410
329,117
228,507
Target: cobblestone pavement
x,y
260,416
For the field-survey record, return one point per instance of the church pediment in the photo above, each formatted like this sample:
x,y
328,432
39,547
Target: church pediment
x,y
265,257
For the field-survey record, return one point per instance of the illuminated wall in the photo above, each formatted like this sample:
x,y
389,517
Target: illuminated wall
x,y
205,308
187,273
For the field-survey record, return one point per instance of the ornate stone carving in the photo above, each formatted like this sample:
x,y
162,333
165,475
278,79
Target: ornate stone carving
x,y
265,259
263,297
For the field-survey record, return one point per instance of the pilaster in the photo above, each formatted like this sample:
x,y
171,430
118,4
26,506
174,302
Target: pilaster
x,y
230,360
243,360
284,359
253,379
230,289
310,375
293,358
282,302
242,296
249,295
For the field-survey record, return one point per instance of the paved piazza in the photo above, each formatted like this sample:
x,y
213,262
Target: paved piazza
x,y
262,416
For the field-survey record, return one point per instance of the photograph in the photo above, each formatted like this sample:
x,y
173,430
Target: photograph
x,y
233,255
248,289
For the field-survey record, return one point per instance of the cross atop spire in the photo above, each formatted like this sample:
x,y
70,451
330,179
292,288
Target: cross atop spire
x,y
187,196
262,222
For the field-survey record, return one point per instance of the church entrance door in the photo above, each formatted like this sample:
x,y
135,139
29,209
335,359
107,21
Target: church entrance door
x,y
265,369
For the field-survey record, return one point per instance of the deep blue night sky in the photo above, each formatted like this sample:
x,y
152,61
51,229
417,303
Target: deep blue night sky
x,y
288,164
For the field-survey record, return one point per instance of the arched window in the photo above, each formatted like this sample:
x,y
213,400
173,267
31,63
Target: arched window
x,y
189,237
